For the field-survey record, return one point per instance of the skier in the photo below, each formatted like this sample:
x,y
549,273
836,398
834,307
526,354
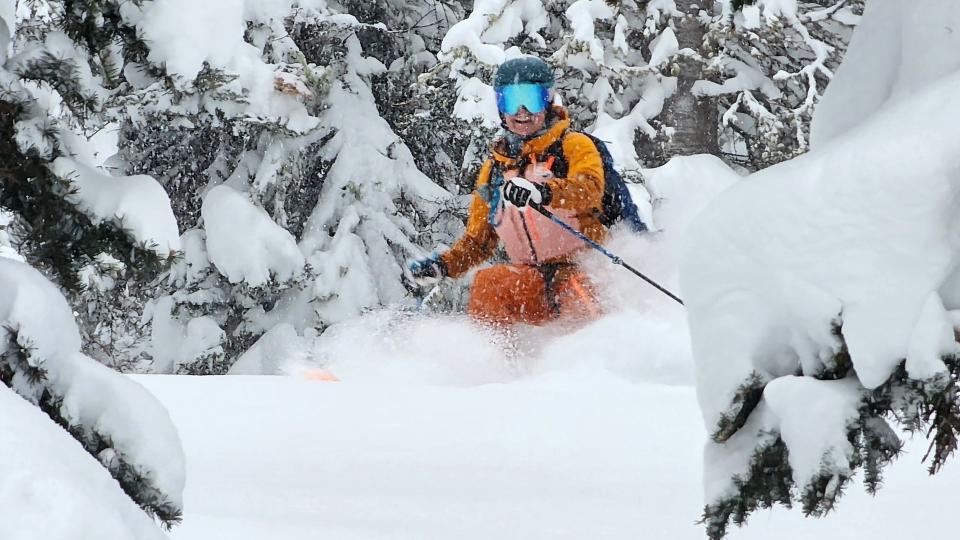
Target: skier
x,y
539,160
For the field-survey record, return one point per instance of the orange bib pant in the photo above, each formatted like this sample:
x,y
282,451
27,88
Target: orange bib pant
x,y
511,293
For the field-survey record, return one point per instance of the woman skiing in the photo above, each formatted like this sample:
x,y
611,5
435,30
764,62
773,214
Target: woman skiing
x,y
539,161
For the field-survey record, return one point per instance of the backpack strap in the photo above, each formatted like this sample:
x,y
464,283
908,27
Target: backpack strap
x,y
491,192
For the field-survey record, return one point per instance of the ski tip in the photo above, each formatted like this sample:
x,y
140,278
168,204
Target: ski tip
x,y
320,374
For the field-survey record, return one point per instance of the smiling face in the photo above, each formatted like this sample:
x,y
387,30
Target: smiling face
x,y
525,123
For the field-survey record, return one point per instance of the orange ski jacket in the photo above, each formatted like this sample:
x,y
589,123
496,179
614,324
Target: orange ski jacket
x,y
577,199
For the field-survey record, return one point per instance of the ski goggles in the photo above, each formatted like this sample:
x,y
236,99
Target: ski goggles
x,y
532,97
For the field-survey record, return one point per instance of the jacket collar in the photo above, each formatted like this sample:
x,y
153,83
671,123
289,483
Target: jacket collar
x,y
538,144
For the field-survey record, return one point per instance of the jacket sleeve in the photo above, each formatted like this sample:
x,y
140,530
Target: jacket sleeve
x,y
582,189
479,240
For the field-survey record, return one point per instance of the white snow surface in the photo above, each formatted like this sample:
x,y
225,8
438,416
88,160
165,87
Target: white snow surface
x,y
561,455
137,204
95,397
244,242
53,489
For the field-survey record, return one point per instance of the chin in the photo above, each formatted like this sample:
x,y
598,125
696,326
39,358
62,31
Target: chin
x,y
525,130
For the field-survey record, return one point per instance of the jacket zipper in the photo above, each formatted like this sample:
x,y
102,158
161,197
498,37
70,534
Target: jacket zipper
x,y
526,231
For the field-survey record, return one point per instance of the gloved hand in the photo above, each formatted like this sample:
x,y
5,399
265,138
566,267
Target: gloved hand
x,y
519,191
427,271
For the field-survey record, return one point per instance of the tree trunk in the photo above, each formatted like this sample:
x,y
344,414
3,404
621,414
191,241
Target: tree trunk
x,y
693,119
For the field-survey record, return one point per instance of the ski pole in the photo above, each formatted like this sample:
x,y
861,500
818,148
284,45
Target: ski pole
x,y
422,300
616,260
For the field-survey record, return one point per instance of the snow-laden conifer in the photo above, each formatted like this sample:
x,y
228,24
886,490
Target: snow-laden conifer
x,y
115,420
822,291
329,198
769,64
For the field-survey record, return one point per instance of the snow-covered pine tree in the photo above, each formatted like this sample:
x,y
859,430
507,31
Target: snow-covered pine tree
x,y
329,194
373,198
56,93
804,371
62,213
405,36
119,423
770,64
747,75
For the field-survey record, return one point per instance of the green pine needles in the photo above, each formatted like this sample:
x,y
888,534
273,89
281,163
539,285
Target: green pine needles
x,y
931,407
745,400
22,369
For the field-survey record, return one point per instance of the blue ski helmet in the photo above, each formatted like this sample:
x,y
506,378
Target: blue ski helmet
x,y
525,70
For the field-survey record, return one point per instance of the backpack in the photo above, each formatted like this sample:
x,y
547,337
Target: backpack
x,y
618,205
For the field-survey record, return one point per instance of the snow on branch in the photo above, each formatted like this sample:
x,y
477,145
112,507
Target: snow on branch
x,y
137,204
788,50
821,306
244,242
115,419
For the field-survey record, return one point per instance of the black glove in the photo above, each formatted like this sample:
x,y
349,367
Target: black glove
x,y
519,191
428,271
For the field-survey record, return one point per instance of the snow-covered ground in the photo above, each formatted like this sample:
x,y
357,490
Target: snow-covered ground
x,y
546,456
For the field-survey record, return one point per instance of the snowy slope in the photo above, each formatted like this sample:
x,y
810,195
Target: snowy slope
x,y
542,457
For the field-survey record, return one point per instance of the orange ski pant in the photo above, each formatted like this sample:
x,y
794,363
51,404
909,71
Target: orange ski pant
x,y
518,293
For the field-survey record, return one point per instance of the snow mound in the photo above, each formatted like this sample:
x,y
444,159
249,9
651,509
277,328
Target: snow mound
x,y
53,489
853,245
895,54
137,204
775,260
244,243
95,400
281,345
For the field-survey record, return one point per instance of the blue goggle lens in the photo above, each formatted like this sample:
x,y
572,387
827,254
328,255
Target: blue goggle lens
x,y
532,97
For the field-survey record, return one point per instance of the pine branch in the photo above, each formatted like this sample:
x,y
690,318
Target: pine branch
x,y
20,358
745,400
931,406
58,234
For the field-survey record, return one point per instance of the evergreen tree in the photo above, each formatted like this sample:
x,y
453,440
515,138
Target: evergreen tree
x,y
816,387
328,176
62,57
707,77
770,69
62,215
